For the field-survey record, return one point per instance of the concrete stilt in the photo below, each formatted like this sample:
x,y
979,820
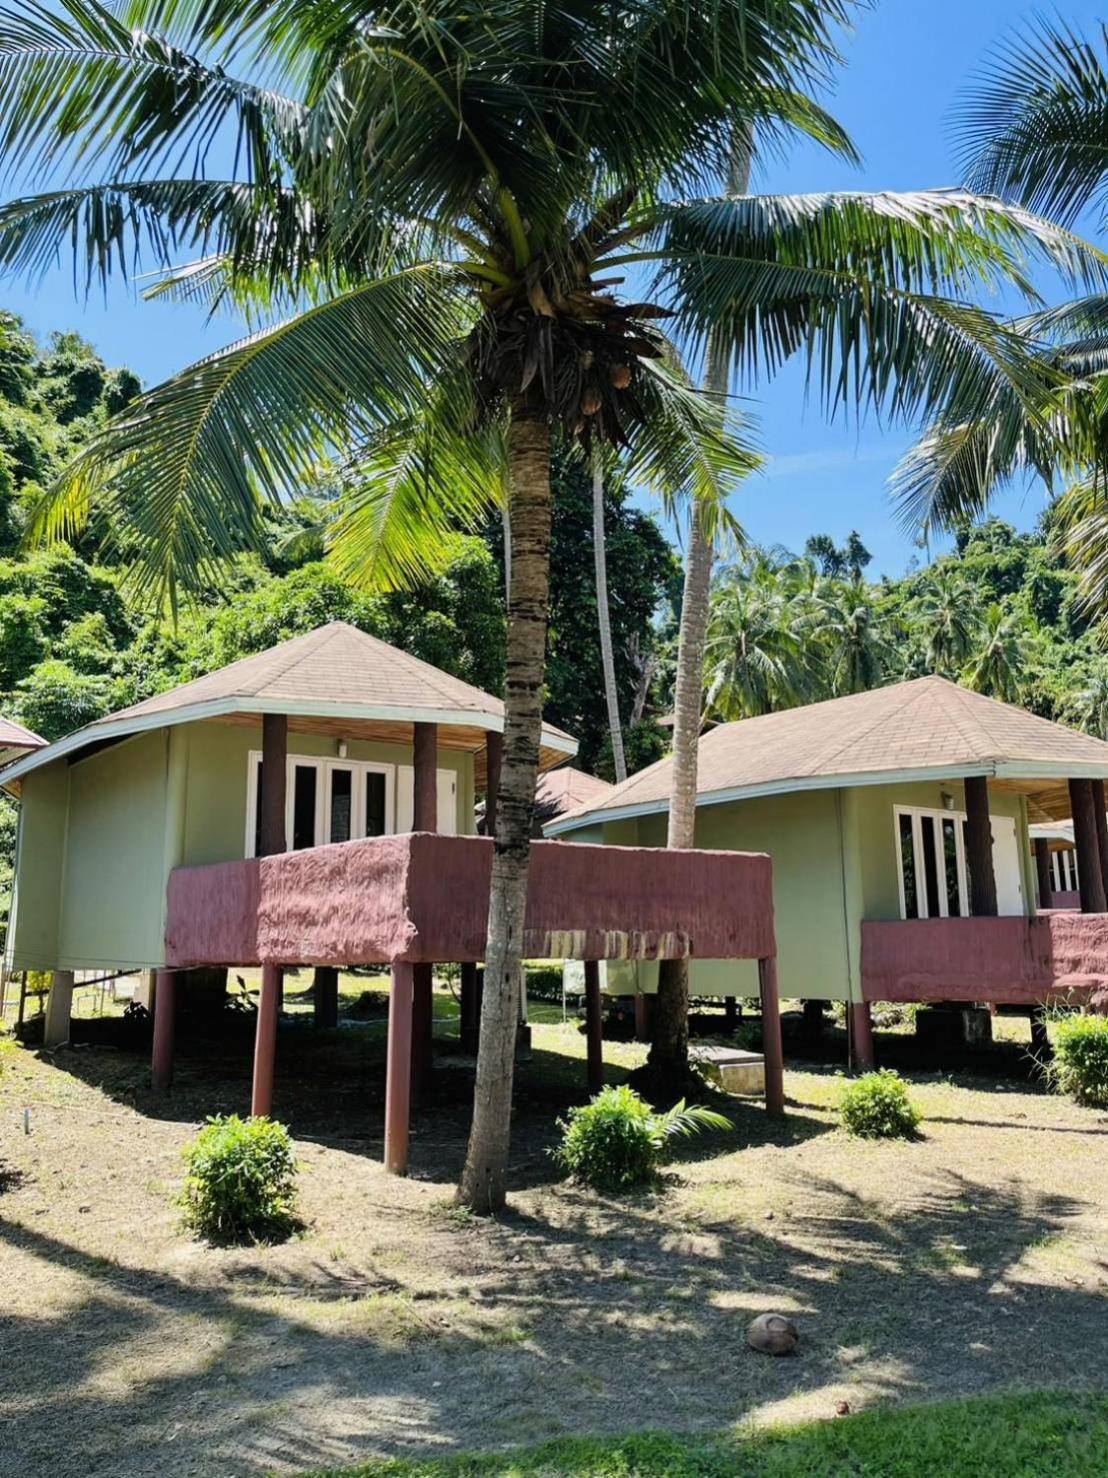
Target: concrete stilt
x,y
398,1081
59,1009
265,1042
165,1012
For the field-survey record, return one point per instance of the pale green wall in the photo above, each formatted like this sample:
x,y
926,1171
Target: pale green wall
x,y
801,834
40,857
99,838
877,836
215,829
834,864
113,882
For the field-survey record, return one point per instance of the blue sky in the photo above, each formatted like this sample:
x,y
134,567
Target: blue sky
x,y
907,61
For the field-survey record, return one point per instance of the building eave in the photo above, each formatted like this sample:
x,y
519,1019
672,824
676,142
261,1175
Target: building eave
x,y
991,769
126,727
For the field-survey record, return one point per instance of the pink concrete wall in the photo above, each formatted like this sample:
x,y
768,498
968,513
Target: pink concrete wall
x,y
1008,960
421,897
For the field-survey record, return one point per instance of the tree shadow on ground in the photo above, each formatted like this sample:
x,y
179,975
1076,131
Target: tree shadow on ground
x,y
617,1318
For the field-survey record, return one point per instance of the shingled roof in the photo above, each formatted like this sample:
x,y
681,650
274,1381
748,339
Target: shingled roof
x,y
16,740
335,674
927,728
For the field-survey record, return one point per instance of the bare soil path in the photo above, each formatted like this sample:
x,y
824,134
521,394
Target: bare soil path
x,y
973,1260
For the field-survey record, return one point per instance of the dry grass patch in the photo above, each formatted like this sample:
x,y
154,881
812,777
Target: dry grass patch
x,y
971,1261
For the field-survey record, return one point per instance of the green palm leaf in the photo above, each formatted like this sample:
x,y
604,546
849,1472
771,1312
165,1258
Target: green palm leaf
x,y
186,465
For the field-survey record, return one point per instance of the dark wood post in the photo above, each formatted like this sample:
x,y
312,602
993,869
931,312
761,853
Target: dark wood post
x,y
772,1049
862,1054
979,847
425,817
271,802
643,1014
494,749
398,1072
594,1033
265,1042
1042,872
423,1023
1101,831
325,996
470,1011
1089,878
161,1059
425,798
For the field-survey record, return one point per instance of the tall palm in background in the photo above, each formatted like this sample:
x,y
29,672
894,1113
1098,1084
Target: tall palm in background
x,y
762,654
950,622
1034,129
997,664
428,213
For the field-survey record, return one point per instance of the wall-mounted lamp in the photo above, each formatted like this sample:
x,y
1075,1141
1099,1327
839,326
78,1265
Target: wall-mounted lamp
x,y
342,749
948,801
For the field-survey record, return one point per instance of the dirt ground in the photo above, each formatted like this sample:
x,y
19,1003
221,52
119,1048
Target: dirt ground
x,y
975,1259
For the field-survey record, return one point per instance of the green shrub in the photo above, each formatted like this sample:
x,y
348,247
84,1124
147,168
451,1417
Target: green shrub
x,y
1080,1065
617,1140
241,1182
877,1106
544,982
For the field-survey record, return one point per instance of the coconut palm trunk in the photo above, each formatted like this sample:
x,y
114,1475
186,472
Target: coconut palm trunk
x,y
669,1047
604,617
484,1179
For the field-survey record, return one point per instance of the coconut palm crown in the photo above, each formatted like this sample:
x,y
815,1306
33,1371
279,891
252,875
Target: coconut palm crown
x,y
461,233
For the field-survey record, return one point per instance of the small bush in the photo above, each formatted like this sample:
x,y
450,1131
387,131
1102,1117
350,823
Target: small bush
x,y
618,1141
544,982
877,1106
1080,1065
241,1182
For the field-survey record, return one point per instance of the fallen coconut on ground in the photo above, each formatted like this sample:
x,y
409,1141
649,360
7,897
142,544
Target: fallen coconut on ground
x,y
772,1334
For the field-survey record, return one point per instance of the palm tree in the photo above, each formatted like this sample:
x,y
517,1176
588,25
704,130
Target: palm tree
x,y
1033,132
763,650
858,648
997,665
948,621
604,619
427,217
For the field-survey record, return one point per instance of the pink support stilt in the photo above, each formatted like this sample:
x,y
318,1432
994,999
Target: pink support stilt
x,y
772,1050
265,1042
398,1071
161,1061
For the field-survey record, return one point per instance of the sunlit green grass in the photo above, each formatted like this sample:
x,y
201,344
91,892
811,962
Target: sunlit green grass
x,y
1020,1436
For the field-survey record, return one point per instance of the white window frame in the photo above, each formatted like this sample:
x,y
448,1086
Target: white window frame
x,y
1064,870
325,768
938,814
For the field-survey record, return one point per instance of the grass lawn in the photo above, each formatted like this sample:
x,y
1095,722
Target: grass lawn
x,y
972,1263
1002,1436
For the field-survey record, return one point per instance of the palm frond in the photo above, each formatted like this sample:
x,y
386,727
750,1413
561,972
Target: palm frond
x,y
870,289
185,468
412,490
124,97
1034,127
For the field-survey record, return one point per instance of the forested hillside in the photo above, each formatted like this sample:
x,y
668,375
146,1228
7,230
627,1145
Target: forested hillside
x,y
1000,612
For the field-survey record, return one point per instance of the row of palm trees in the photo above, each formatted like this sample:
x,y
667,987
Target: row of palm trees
x,y
781,633
463,237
